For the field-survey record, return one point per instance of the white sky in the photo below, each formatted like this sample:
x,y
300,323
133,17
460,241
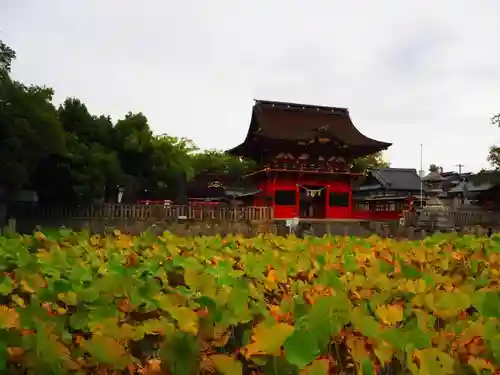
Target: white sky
x,y
410,72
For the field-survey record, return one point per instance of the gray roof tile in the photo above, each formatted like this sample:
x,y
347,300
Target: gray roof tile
x,y
398,178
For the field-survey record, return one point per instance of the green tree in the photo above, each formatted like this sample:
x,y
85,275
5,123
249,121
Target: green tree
x,y
29,127
7,56
88,170
490,175
133,141
494,151
220,162
76,119
172,156
368,162
171,166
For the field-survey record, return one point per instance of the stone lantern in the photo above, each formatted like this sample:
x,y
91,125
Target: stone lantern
x,y
120,190
435,215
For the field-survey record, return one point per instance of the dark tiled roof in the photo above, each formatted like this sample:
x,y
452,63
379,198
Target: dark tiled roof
x,y
470,187
454,175
398,178
298,122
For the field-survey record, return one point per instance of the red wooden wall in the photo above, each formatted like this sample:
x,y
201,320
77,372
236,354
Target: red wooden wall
x,y
269,187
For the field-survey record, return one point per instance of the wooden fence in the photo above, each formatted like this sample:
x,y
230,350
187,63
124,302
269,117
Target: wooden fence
x,y
458,218
138,212
141,212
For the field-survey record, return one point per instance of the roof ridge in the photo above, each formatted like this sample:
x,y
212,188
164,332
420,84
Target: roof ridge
x,y
396,169
293,123
301,105
381,178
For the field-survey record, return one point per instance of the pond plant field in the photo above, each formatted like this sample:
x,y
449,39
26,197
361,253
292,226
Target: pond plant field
x,y
71,303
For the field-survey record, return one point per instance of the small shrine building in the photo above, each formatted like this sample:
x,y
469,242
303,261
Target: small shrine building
x,y
305,152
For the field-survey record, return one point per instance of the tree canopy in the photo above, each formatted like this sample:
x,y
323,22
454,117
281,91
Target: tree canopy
x,y
69,155
494,152
491,175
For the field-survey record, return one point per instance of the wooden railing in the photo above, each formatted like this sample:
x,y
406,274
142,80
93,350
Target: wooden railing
x,y
459,218
142,212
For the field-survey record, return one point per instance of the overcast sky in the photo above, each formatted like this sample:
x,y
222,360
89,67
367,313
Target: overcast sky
x,y
410,72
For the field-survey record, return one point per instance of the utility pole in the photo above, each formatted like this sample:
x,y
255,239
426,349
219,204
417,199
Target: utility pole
x,y
460,166
421,173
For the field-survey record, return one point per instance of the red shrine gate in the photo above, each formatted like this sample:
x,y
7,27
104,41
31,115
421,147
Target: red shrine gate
x,y
305,152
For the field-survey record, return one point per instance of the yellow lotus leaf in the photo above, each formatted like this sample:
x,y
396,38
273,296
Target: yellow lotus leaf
x,y
18,300
356,347
416,286
106,350
271,276
384,351
33,283
95,240
420,255
9,318
418,300
434,361
105,327
447,304
39,236
227,365
128,332
390,314
61,310
186,318
70,298
268,339
124,242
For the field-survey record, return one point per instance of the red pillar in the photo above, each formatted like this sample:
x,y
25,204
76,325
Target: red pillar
x,y
350,198
297,199
327,199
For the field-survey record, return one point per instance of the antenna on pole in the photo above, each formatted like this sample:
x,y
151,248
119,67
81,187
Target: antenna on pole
x,y
460,166
421,174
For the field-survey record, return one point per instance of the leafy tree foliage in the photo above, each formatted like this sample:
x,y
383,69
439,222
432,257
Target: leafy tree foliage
x,y
494,152
491,175
69,155
369,162
7,55
29,126
220,162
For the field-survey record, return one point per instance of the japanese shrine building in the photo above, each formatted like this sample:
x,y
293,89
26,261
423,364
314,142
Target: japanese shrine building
x,y
386,192
305,152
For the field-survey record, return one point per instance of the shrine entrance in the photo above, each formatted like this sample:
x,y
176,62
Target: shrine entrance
x,y
312,201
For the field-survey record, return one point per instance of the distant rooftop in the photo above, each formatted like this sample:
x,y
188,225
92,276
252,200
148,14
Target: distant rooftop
x,y
405,179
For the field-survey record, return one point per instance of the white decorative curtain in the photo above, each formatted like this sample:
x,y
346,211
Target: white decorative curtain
x,y
312,192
